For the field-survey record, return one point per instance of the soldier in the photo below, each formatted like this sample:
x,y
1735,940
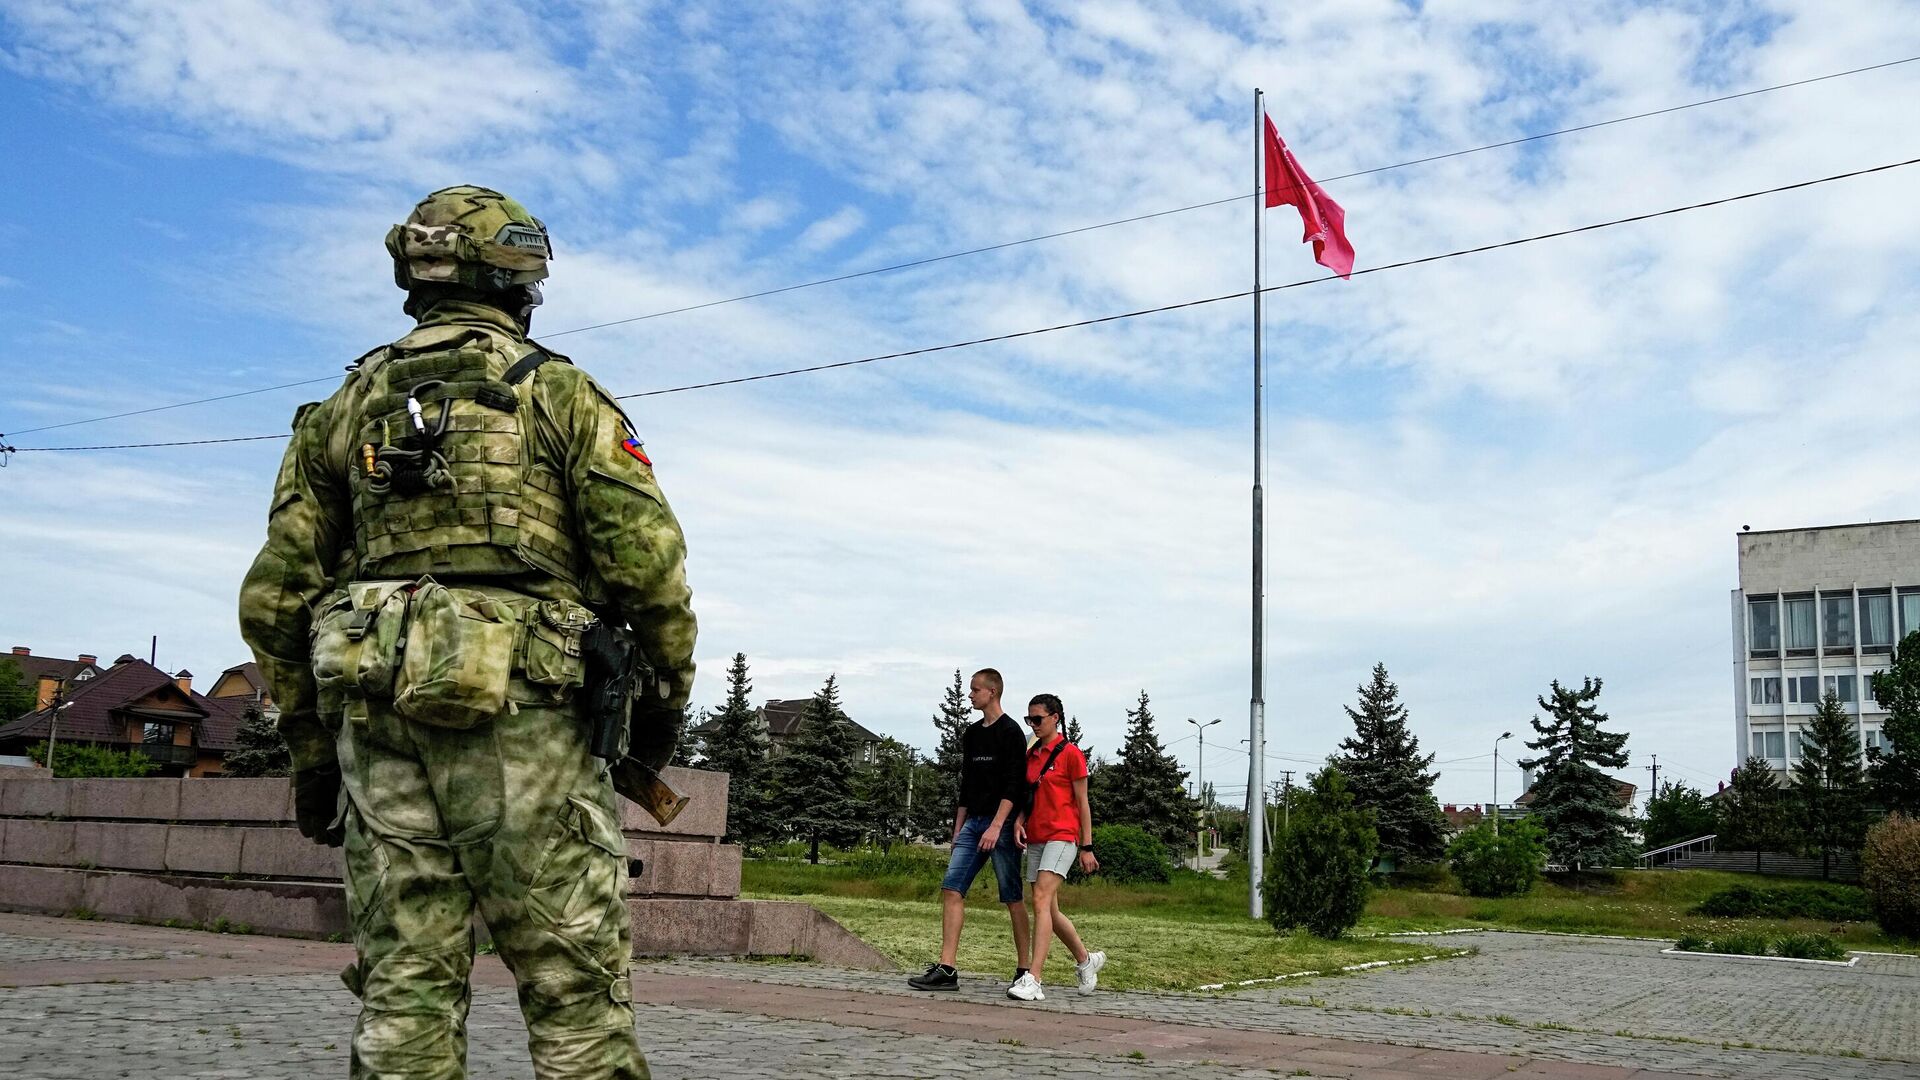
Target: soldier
x,y
465,517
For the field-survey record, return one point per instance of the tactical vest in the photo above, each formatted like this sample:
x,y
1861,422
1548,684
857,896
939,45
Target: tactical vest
x,y
444,472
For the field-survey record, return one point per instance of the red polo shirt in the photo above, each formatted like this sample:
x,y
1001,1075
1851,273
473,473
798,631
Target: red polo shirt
x,y
1055,814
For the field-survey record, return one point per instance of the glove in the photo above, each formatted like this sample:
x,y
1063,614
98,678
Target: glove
x,y
655,731
316,804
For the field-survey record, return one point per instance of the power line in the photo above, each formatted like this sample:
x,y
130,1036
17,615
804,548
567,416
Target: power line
x,y
1162,309
930,260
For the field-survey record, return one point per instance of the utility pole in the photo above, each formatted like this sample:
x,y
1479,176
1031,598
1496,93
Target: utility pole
x,y
1654,791
53,719
1200,782
1257,706
1286,799
1504,736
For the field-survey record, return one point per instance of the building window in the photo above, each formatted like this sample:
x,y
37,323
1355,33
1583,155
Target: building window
x,y
1800,624
1909,611
1803,689
157,733
1876,621
1764,617
1836,622
1795,741
1766,689
1872,741
1840,686
1771,745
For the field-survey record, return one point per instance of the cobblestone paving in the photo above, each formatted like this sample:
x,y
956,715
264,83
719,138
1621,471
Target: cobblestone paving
x,y
1597,987
26,950
295,1027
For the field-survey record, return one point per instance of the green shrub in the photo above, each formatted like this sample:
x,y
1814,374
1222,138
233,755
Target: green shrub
x,y
1504,865
1128,854
1837,903
1744,943
1809,947
1890,871
1321,869
1425,877
77,759
1693,943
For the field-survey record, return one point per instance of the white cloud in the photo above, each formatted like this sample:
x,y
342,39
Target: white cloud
x,y
1489,472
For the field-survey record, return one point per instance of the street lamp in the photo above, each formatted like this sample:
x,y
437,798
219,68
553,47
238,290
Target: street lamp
x,y
1200,781
1504,736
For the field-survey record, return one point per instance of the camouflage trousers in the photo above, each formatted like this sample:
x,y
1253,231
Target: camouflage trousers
x,y
514,817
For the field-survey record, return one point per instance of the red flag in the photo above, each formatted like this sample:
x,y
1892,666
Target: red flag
x,y
1326,223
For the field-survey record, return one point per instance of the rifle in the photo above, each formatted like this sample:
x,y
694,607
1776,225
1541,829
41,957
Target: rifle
x,y
612,667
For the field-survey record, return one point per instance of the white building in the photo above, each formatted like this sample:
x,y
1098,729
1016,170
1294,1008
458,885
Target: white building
x,y
1817,610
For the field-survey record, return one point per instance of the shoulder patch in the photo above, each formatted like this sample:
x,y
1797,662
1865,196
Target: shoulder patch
x,y
639,451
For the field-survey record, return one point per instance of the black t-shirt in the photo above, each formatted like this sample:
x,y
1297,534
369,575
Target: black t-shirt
x,y
993,766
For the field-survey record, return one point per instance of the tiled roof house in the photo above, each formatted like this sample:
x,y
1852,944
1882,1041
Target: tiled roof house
x,y
134,705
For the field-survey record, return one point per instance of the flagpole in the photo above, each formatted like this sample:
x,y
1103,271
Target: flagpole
x,y
1257,706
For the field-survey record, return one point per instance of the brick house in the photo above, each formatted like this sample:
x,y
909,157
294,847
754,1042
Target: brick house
x,y
136,706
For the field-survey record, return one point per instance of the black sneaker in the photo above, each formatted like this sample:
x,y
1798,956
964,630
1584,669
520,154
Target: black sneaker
x,y
936,977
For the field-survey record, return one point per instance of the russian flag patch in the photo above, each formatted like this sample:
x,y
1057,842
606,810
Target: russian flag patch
x,y
632,446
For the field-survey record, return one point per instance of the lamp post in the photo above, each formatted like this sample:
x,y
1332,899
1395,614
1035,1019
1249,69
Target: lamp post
x,y
53,720
1504,736
1200,781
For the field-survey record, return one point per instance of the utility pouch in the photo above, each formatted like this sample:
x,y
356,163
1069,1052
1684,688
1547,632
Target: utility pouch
x,y
550,658
459,655
357,639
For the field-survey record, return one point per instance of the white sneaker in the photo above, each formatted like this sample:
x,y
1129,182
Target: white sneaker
x,y
1026,988
1089,972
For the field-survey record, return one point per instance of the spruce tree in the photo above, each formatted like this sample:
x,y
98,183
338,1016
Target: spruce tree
x,y
688,748
1829,786
1751,813
1387,774
736,744
814,780
1146,787
949,724
882,787
1573,800
1072,732
263,750
1318,877
1894,769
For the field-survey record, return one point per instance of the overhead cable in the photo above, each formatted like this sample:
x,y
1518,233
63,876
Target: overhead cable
x,y
1137,313
929,260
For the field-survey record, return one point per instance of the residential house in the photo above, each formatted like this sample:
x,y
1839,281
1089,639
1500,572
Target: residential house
x,y
136,706
781,721
1461,818
244,681
46,673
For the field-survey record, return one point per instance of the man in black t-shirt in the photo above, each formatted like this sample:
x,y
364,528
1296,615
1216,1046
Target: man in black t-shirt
x,y
993,782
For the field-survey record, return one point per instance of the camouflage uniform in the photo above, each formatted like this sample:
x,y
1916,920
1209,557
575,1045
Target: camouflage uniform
x,y
420,628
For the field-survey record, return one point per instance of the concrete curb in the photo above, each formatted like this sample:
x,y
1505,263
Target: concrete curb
x,y
1698,955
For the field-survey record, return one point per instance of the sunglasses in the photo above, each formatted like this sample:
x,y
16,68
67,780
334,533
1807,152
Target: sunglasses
x,y
1037,719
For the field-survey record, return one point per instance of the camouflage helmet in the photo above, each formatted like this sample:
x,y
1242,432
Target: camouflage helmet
x,y
471,236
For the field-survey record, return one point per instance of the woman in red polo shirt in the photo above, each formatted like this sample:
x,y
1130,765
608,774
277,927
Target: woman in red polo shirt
x,y
1058,827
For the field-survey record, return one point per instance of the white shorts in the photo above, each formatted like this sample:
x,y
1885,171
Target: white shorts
x,y
1054,855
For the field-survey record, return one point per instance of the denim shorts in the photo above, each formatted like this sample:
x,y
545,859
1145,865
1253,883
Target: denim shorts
x,y
967,859
1054,856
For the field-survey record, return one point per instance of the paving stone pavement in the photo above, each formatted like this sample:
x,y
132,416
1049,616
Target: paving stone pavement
x,y
99,1001
1596,1000
291,1027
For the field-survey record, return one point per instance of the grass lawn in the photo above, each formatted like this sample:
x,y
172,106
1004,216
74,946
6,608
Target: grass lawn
x,y
1191,932
1194,930
1632,903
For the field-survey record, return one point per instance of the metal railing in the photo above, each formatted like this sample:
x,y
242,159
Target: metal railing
x,y
1661,856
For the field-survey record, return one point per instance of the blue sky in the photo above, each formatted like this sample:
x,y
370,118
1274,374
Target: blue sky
x,y
1488,473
